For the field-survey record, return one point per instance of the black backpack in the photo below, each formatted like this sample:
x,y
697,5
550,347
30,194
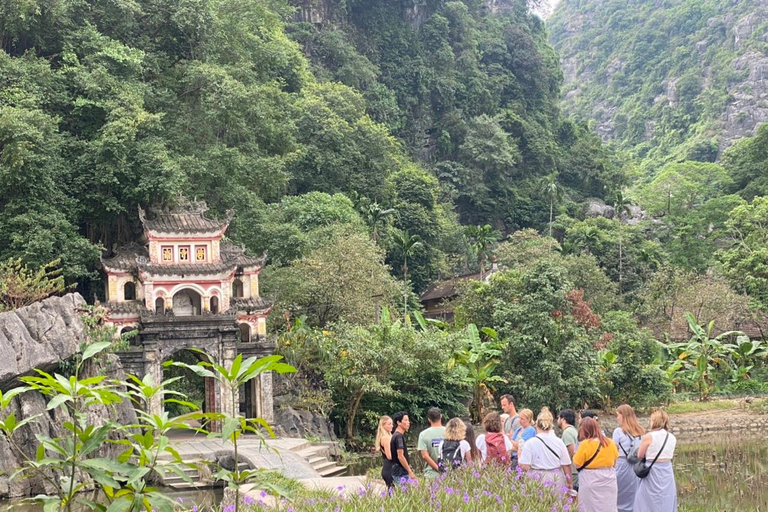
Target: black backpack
x,y
450,456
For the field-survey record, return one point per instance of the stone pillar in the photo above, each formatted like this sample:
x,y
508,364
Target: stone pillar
x,y
254,280
264,397
153,365
207,303
112,288
261,329
228,354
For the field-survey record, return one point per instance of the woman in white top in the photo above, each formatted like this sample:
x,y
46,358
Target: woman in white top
x,y
454,448
493,427
657,492
545,456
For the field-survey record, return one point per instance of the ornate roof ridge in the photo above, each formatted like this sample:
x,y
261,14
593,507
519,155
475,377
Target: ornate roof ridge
x,y
184,216
125,256
236,253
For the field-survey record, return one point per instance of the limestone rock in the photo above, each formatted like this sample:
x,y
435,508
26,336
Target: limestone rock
x,y
597,208
292,423
39,336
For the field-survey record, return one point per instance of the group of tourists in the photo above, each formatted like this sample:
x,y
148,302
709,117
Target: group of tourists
x,y
630,471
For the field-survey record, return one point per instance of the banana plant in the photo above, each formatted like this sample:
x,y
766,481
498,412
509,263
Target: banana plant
x,y
702,355
479,360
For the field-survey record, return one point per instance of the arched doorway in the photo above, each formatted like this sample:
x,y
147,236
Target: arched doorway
x,y
237,288
197,390
245,333
186,303
160,306
215,305
129,291
133,340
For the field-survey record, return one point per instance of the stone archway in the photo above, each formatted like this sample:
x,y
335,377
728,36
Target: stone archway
x,y
198,390
187,302
160,306
237,288
215,305
163,336
245,332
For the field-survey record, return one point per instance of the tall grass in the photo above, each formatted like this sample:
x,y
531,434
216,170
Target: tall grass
x,y
726,474
467,489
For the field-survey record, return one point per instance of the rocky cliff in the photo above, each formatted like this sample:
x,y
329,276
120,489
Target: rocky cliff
x,y
41,336
666,79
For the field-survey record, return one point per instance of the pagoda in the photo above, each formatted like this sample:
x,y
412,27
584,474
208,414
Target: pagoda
x,y
184,268
182,286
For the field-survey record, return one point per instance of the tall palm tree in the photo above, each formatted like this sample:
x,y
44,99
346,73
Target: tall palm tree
x,y
482,239
551,188
621,205
377,218
407,245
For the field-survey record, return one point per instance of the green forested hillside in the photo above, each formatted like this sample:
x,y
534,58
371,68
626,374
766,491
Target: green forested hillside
x,y
669,80
105,106
373,146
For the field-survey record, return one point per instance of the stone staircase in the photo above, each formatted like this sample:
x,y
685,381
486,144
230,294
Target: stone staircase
x,y
317,455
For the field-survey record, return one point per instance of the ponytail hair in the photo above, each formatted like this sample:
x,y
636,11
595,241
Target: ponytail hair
x,y
545,421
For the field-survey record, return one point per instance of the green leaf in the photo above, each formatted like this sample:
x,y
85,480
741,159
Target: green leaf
x,y
95,348
120,505
107,465
57,400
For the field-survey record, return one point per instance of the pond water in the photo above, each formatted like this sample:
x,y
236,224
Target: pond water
x,y
717,474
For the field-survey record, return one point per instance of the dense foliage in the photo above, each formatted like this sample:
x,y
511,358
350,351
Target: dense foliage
x,y
657,76
373,147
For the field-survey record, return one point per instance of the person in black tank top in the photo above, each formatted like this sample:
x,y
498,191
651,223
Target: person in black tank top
x,y
383,442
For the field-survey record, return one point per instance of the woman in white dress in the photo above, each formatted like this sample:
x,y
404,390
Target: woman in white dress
x,y
544,456
657,492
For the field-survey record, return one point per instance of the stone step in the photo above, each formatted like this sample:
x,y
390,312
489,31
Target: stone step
x,y
319,457
322,465
314,451
335,470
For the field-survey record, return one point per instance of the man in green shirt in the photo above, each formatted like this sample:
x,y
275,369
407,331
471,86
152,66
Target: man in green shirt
x,y
429,441
566,420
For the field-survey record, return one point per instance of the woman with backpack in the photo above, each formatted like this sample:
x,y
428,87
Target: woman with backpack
x,y
627,437
493,445
454,448
595,458
545,456
657,491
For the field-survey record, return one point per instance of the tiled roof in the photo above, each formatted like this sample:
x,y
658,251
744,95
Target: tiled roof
x,y
133,306
250,305
185,268
188,217
234,254
447,289
125,257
